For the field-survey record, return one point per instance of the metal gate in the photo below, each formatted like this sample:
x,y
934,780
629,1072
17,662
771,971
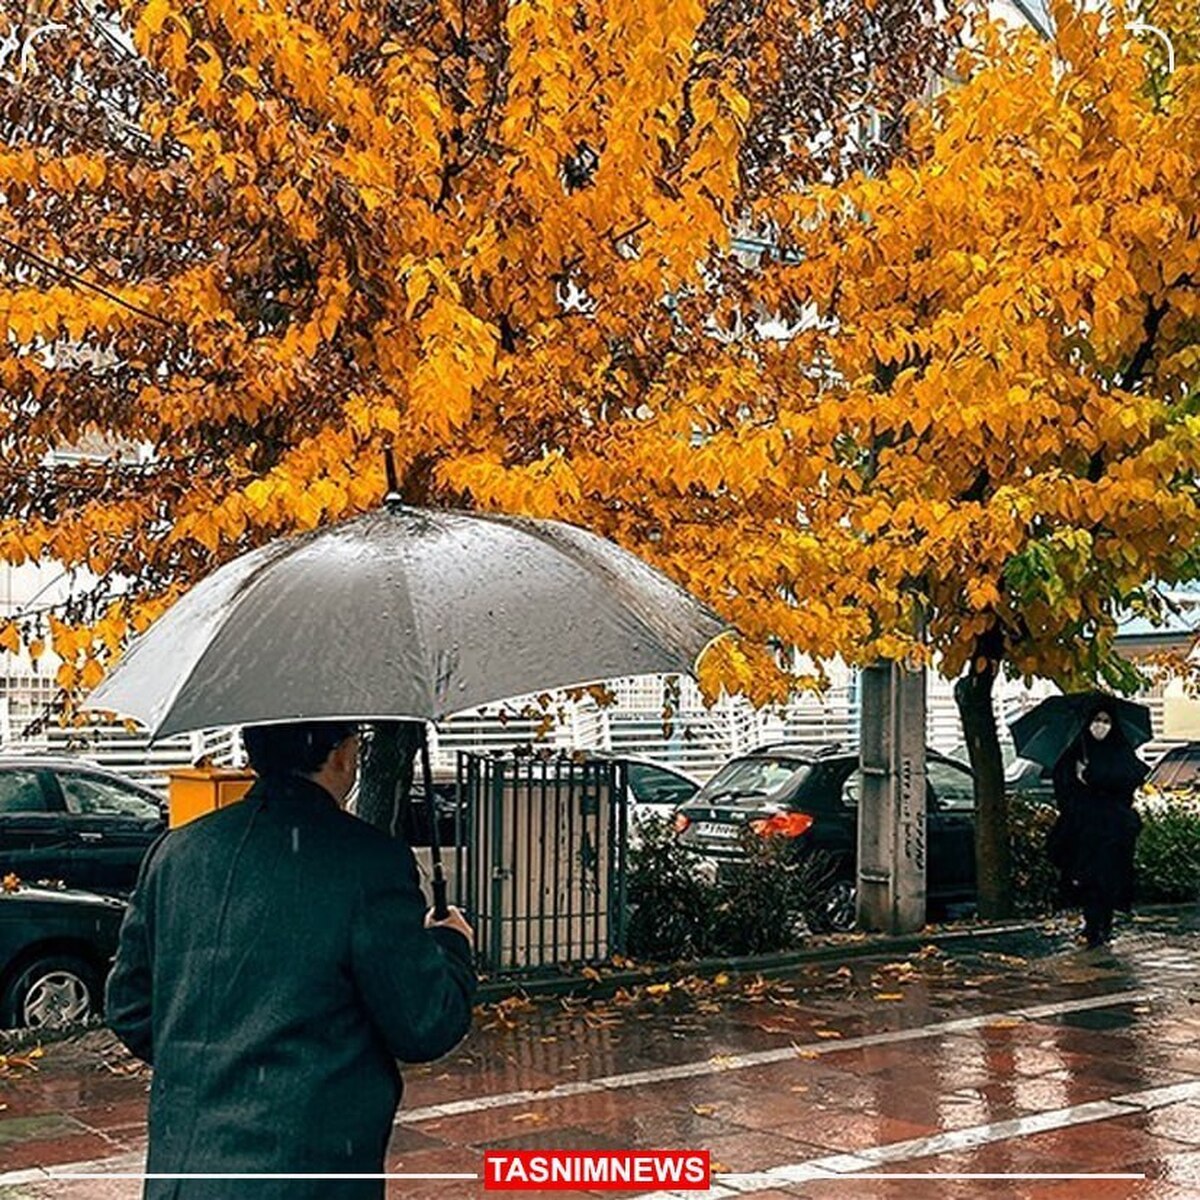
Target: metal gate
x,y
542,859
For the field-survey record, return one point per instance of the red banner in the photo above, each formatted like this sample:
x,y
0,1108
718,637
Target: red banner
x,y
595,1170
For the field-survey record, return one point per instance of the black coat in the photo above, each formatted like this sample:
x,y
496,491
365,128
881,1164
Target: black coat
x,y
273,966
1094,839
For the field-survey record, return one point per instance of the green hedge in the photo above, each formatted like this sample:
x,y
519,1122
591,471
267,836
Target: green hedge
x,y
1167,859
1168,852
1035,879
679,910
771,901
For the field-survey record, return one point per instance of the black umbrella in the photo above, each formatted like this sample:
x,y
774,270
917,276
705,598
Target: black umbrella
x,y
1046,732
404,613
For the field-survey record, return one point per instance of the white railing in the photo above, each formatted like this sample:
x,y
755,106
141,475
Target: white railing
x,y
697,738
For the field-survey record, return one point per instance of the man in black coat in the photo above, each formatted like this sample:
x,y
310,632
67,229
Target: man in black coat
x,y
275,961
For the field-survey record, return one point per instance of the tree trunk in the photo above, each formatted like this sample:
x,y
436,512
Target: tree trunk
x,y
993,863
385,782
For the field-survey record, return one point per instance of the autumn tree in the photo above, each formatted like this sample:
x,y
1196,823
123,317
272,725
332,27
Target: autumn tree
x,y
972,429
249,246
244,247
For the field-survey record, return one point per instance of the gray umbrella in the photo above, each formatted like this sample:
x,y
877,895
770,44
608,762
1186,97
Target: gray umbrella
x,y
404,613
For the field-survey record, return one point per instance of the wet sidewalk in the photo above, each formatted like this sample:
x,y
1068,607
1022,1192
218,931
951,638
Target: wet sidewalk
x,y
1019,1057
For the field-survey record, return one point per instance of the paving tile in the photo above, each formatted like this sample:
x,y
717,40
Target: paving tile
x,y
799,1108
48,1151
1107,1146
848,1130
1178,1122
42,1128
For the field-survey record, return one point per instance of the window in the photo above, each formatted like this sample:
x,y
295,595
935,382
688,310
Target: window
x,y
754,777
1179,768
952,788
93,796
653,785
852,789
20,792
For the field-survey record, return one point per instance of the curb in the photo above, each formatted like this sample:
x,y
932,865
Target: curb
x,y
769,965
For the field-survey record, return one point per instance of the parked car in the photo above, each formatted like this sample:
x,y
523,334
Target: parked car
x,y
1022,776
1177,773
654,789
790,791
68,820
56,948
1174,778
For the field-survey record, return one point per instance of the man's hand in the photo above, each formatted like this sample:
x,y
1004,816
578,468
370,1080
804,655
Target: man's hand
x,y
455,921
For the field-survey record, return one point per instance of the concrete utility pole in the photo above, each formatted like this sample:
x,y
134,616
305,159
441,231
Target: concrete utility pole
x,y
891,808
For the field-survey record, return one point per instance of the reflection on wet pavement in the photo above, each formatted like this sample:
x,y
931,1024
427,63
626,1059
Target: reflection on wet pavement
x,y
1009,1054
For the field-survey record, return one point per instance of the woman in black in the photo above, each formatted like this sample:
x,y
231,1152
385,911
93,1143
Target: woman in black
x,y
1097,830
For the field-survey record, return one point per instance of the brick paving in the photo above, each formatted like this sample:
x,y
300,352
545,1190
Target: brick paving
x,y
1011,1054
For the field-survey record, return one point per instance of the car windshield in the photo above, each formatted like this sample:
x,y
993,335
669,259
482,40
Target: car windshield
x,y
1179,768
758,776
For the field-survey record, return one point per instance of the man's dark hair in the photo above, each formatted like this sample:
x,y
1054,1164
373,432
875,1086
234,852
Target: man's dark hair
x,y
294,749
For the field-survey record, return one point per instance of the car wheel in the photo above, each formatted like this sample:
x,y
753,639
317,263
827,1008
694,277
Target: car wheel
x,y
52,993
837,908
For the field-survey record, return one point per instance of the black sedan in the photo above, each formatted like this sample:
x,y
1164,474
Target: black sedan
x,y
70,821
55,951
791,792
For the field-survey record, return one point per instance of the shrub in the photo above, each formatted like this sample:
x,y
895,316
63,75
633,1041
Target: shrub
x,y
1167,859
670,906
1035,878
679,908
1168,853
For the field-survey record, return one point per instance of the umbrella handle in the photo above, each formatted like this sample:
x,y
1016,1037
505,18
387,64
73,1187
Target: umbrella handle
x,y
441,908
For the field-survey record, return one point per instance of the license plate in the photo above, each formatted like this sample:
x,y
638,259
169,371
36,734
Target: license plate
x,y
714,829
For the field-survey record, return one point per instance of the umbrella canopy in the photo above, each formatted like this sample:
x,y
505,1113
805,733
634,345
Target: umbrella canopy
x,y
404,613
1046,731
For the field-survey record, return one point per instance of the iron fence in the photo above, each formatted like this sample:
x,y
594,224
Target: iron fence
x,y
540,859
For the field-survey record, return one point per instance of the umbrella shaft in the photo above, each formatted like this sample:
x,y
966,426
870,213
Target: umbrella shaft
x,y
441,908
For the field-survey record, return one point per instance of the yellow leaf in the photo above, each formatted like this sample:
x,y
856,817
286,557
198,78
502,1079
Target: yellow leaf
x,y
92,674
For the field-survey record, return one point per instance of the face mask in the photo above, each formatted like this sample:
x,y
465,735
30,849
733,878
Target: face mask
x,y
1100,727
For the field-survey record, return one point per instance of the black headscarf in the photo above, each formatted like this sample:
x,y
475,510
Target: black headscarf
x,y
1112,768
